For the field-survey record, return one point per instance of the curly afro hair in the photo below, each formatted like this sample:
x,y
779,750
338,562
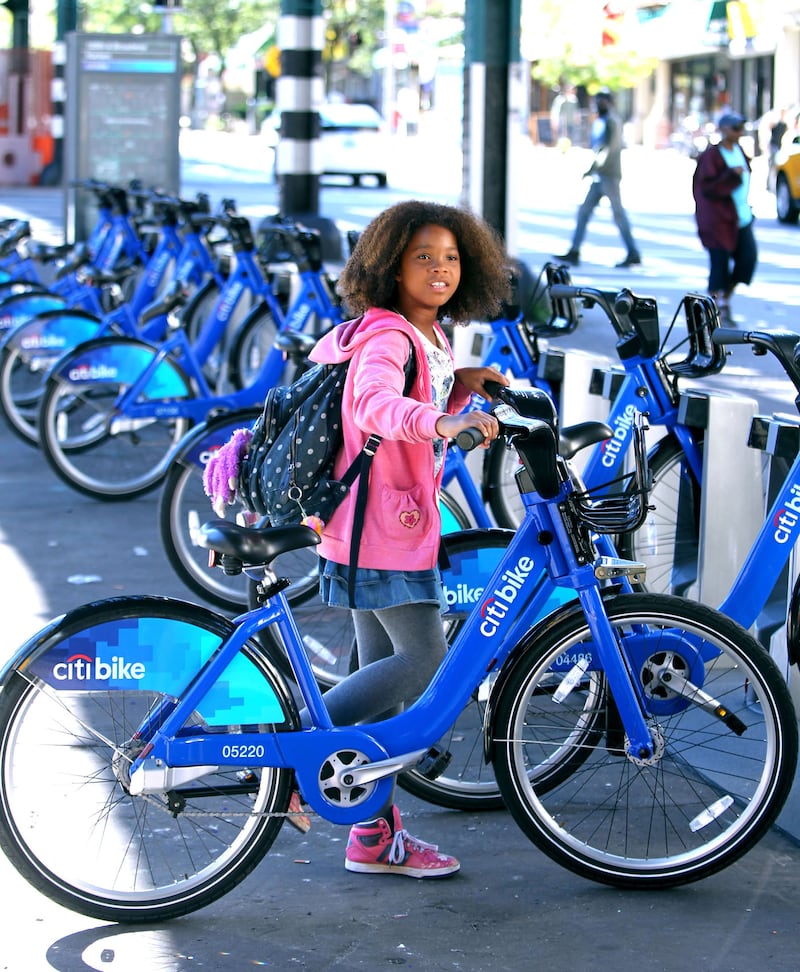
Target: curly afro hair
x,y
368,279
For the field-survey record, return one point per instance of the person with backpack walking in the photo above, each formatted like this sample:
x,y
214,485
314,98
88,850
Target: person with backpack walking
x,y
721,186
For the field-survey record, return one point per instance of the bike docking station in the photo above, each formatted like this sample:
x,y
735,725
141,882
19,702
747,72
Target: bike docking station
x,y
777,625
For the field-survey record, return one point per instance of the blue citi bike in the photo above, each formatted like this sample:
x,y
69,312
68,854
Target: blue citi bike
x,y
179,275
640,740
468,782
115,408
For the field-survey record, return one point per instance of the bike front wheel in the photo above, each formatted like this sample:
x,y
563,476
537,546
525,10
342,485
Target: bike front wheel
x,y
723,728
68,822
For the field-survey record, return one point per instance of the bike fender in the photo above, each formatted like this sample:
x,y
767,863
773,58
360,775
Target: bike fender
x,y
148,644
201,442
54,331
17,310
122,360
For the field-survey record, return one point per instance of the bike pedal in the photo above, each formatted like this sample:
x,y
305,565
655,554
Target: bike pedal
x,y
433,763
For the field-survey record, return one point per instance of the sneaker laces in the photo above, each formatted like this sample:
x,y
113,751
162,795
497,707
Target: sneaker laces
x,y
397,852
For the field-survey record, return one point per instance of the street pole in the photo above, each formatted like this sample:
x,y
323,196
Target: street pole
x,y
66,22
491,80
300,90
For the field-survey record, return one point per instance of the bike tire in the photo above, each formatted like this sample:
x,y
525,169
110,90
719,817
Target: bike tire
x,y
469,783
26,356
718,778
197,312
250,346
20,395
668,542
75,424
67,822
183,507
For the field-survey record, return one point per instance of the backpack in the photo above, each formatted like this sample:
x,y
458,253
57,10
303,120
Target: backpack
x,y
287,474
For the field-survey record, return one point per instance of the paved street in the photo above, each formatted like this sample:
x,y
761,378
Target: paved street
x,y
510,908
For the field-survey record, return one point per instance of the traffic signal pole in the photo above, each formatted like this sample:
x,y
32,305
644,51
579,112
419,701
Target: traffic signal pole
x,y
300,88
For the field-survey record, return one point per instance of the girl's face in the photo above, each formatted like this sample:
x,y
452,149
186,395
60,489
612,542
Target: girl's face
x,y
430,270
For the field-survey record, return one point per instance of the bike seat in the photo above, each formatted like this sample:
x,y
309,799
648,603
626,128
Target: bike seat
x,y
295,344
254,545
573,438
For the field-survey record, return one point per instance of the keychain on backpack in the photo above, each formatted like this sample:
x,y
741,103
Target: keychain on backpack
x,y
221,475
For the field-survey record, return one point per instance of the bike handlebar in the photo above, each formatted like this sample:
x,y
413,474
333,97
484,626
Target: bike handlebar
x,y
784,345
614,305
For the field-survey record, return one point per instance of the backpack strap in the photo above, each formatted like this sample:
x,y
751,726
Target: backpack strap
x,y
359,468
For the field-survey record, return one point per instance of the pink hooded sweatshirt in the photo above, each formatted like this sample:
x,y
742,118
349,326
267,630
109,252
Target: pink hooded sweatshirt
x,y
402,525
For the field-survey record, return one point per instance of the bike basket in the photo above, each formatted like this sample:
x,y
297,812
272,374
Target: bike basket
x,y
696,355
626,508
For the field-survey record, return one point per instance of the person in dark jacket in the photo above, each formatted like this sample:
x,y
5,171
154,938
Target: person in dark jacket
x,y
606,175
721,186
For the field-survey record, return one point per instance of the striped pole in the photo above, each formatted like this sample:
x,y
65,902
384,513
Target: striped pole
x,y
300,90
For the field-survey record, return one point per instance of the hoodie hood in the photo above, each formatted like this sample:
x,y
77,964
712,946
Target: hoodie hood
x,y
342,341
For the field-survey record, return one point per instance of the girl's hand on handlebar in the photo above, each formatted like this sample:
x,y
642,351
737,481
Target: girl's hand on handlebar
x,y
448,426
474,380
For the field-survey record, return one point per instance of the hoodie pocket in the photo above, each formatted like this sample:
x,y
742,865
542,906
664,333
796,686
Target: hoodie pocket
x,y
406,516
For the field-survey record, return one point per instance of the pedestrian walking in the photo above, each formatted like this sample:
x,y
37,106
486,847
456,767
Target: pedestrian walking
x,y
605,173
721,188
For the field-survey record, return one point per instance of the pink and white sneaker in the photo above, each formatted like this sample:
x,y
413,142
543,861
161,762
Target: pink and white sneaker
x,y
373,848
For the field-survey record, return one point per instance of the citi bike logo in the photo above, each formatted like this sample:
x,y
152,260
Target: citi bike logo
x,y
92,372
495,608
230,300
622,429
43,342
83,668
787,518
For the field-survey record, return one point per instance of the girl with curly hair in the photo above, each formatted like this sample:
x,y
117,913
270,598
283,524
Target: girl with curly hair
x,y
414,265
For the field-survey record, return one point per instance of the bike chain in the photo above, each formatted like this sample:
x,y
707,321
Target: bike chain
x,y
150,800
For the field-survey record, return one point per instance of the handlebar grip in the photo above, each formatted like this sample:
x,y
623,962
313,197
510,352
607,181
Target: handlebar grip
x,y
468,439
729,335
563,291
493,388
623,303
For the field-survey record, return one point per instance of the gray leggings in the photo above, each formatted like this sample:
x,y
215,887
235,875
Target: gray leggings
x,y
399,649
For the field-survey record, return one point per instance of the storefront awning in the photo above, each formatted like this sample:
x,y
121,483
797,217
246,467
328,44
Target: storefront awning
x,y
685,28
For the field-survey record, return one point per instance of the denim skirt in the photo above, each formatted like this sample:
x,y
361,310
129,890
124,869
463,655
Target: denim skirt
x,y
376,589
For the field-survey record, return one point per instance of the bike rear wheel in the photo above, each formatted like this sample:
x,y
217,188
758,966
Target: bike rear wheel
x,y
20,394
93,455
67,821
725,746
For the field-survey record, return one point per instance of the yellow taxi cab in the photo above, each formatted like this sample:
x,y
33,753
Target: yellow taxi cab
x,y
787,182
